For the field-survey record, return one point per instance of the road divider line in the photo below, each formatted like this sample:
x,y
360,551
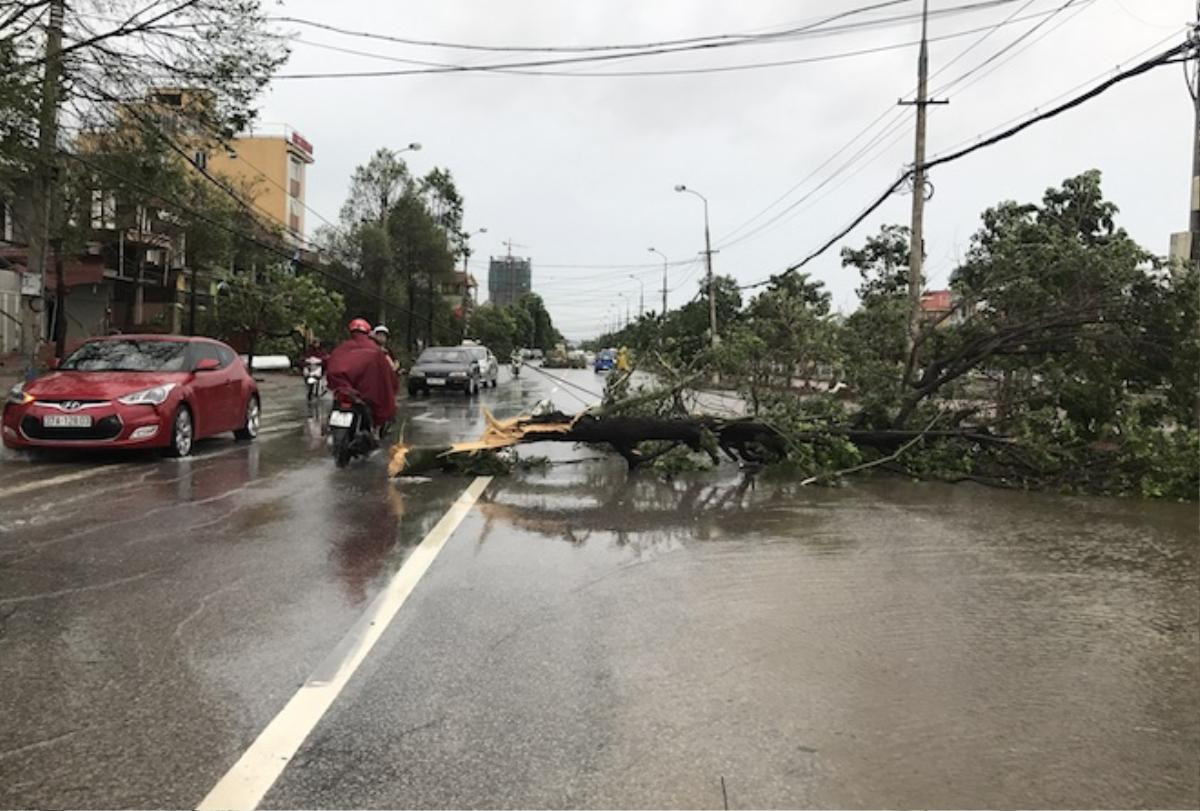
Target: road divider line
x,y
248,781
63,479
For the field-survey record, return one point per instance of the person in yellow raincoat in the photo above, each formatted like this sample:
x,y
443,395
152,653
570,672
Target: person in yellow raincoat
x,y
623,362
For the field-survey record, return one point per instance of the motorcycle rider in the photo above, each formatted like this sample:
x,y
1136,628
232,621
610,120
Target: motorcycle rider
x,y
358,364
380,335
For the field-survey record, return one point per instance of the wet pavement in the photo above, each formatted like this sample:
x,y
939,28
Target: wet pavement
x,y
587,637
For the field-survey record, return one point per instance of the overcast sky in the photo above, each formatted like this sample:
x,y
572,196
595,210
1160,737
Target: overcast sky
x,y
580,170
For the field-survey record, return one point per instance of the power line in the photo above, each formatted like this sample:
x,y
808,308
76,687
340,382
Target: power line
x,y
523,68
898,120
709,40
1167,57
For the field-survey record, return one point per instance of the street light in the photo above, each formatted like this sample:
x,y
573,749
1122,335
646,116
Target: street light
x,y
413,147
665,263
626,298
466,298
712,301
641,295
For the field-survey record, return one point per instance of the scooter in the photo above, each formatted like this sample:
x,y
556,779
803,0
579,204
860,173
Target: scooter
x,y
314,377
352,433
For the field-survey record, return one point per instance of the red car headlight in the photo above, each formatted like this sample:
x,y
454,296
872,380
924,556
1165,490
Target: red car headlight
x,y
18,396
156,395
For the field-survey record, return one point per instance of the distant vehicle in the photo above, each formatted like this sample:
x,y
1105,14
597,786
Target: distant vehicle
x,y
314,377
445,367
564,360
606,361
489,367
135,391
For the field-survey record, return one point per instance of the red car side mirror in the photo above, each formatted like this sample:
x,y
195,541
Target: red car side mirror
x,y
208,365
54,363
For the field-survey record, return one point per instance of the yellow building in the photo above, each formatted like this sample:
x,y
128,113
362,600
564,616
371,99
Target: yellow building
x,y
272,167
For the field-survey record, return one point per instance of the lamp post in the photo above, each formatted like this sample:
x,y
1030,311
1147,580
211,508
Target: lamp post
x,y
712,300
384,205
665,263
466,296
641,295
625,298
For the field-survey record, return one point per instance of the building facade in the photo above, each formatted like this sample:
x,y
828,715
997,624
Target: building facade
x,y
271,169
509,278
131,273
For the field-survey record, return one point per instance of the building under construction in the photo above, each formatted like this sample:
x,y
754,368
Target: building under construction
x,y
509,278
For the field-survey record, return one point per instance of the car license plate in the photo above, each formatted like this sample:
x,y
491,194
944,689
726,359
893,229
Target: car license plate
x,y
341,419
436,381
67,421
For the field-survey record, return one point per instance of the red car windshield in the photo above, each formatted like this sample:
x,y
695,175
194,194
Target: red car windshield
x,y
128,356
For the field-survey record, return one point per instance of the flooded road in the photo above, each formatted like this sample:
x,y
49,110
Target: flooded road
x,y
590,638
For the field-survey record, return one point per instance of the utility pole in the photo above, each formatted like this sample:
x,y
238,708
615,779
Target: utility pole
x,y
45,183
192,303
1194,219
384,261
665,262
712,297
916,250
708,252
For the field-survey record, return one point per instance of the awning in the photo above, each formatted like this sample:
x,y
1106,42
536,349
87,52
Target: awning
x,y
77,271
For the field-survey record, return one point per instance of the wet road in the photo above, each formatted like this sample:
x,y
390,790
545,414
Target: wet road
x,y
588,638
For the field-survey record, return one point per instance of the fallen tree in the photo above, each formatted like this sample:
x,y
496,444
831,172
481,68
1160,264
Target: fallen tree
x,y
643,439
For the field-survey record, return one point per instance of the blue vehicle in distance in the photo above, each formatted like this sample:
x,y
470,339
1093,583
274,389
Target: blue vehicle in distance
x,y
606,361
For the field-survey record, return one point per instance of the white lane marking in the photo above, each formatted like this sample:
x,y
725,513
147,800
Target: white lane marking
x,y
37,484
425,417
249,780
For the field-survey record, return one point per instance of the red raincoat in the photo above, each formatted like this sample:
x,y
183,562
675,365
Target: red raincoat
x,y
361,365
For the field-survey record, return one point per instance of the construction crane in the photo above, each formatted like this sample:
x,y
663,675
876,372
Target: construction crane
x,y
508,243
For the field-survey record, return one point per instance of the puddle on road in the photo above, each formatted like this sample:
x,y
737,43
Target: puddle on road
x,y
1024,648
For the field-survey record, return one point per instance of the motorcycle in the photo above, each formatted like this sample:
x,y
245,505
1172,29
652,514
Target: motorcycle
x,y
351,430
314,377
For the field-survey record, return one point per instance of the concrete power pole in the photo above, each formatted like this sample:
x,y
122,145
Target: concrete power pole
x,y
1194,218
45,182
712,290
916,252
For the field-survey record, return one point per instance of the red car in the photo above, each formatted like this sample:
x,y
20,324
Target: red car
x,y
135,391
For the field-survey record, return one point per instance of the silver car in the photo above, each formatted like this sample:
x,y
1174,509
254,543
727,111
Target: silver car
x,y
445,367
489,367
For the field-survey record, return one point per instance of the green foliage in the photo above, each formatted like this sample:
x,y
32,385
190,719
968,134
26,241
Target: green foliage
x,y
784,335
681,337
495,328
274,305
1065,336
526,324
535,329
679,459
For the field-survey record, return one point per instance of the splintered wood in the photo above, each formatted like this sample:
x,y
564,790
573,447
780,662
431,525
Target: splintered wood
x,y
497,434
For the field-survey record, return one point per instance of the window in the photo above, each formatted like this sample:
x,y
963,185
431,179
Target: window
x,y
226,355
203,350
201,160
295,177
127,356
6,221
104,210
